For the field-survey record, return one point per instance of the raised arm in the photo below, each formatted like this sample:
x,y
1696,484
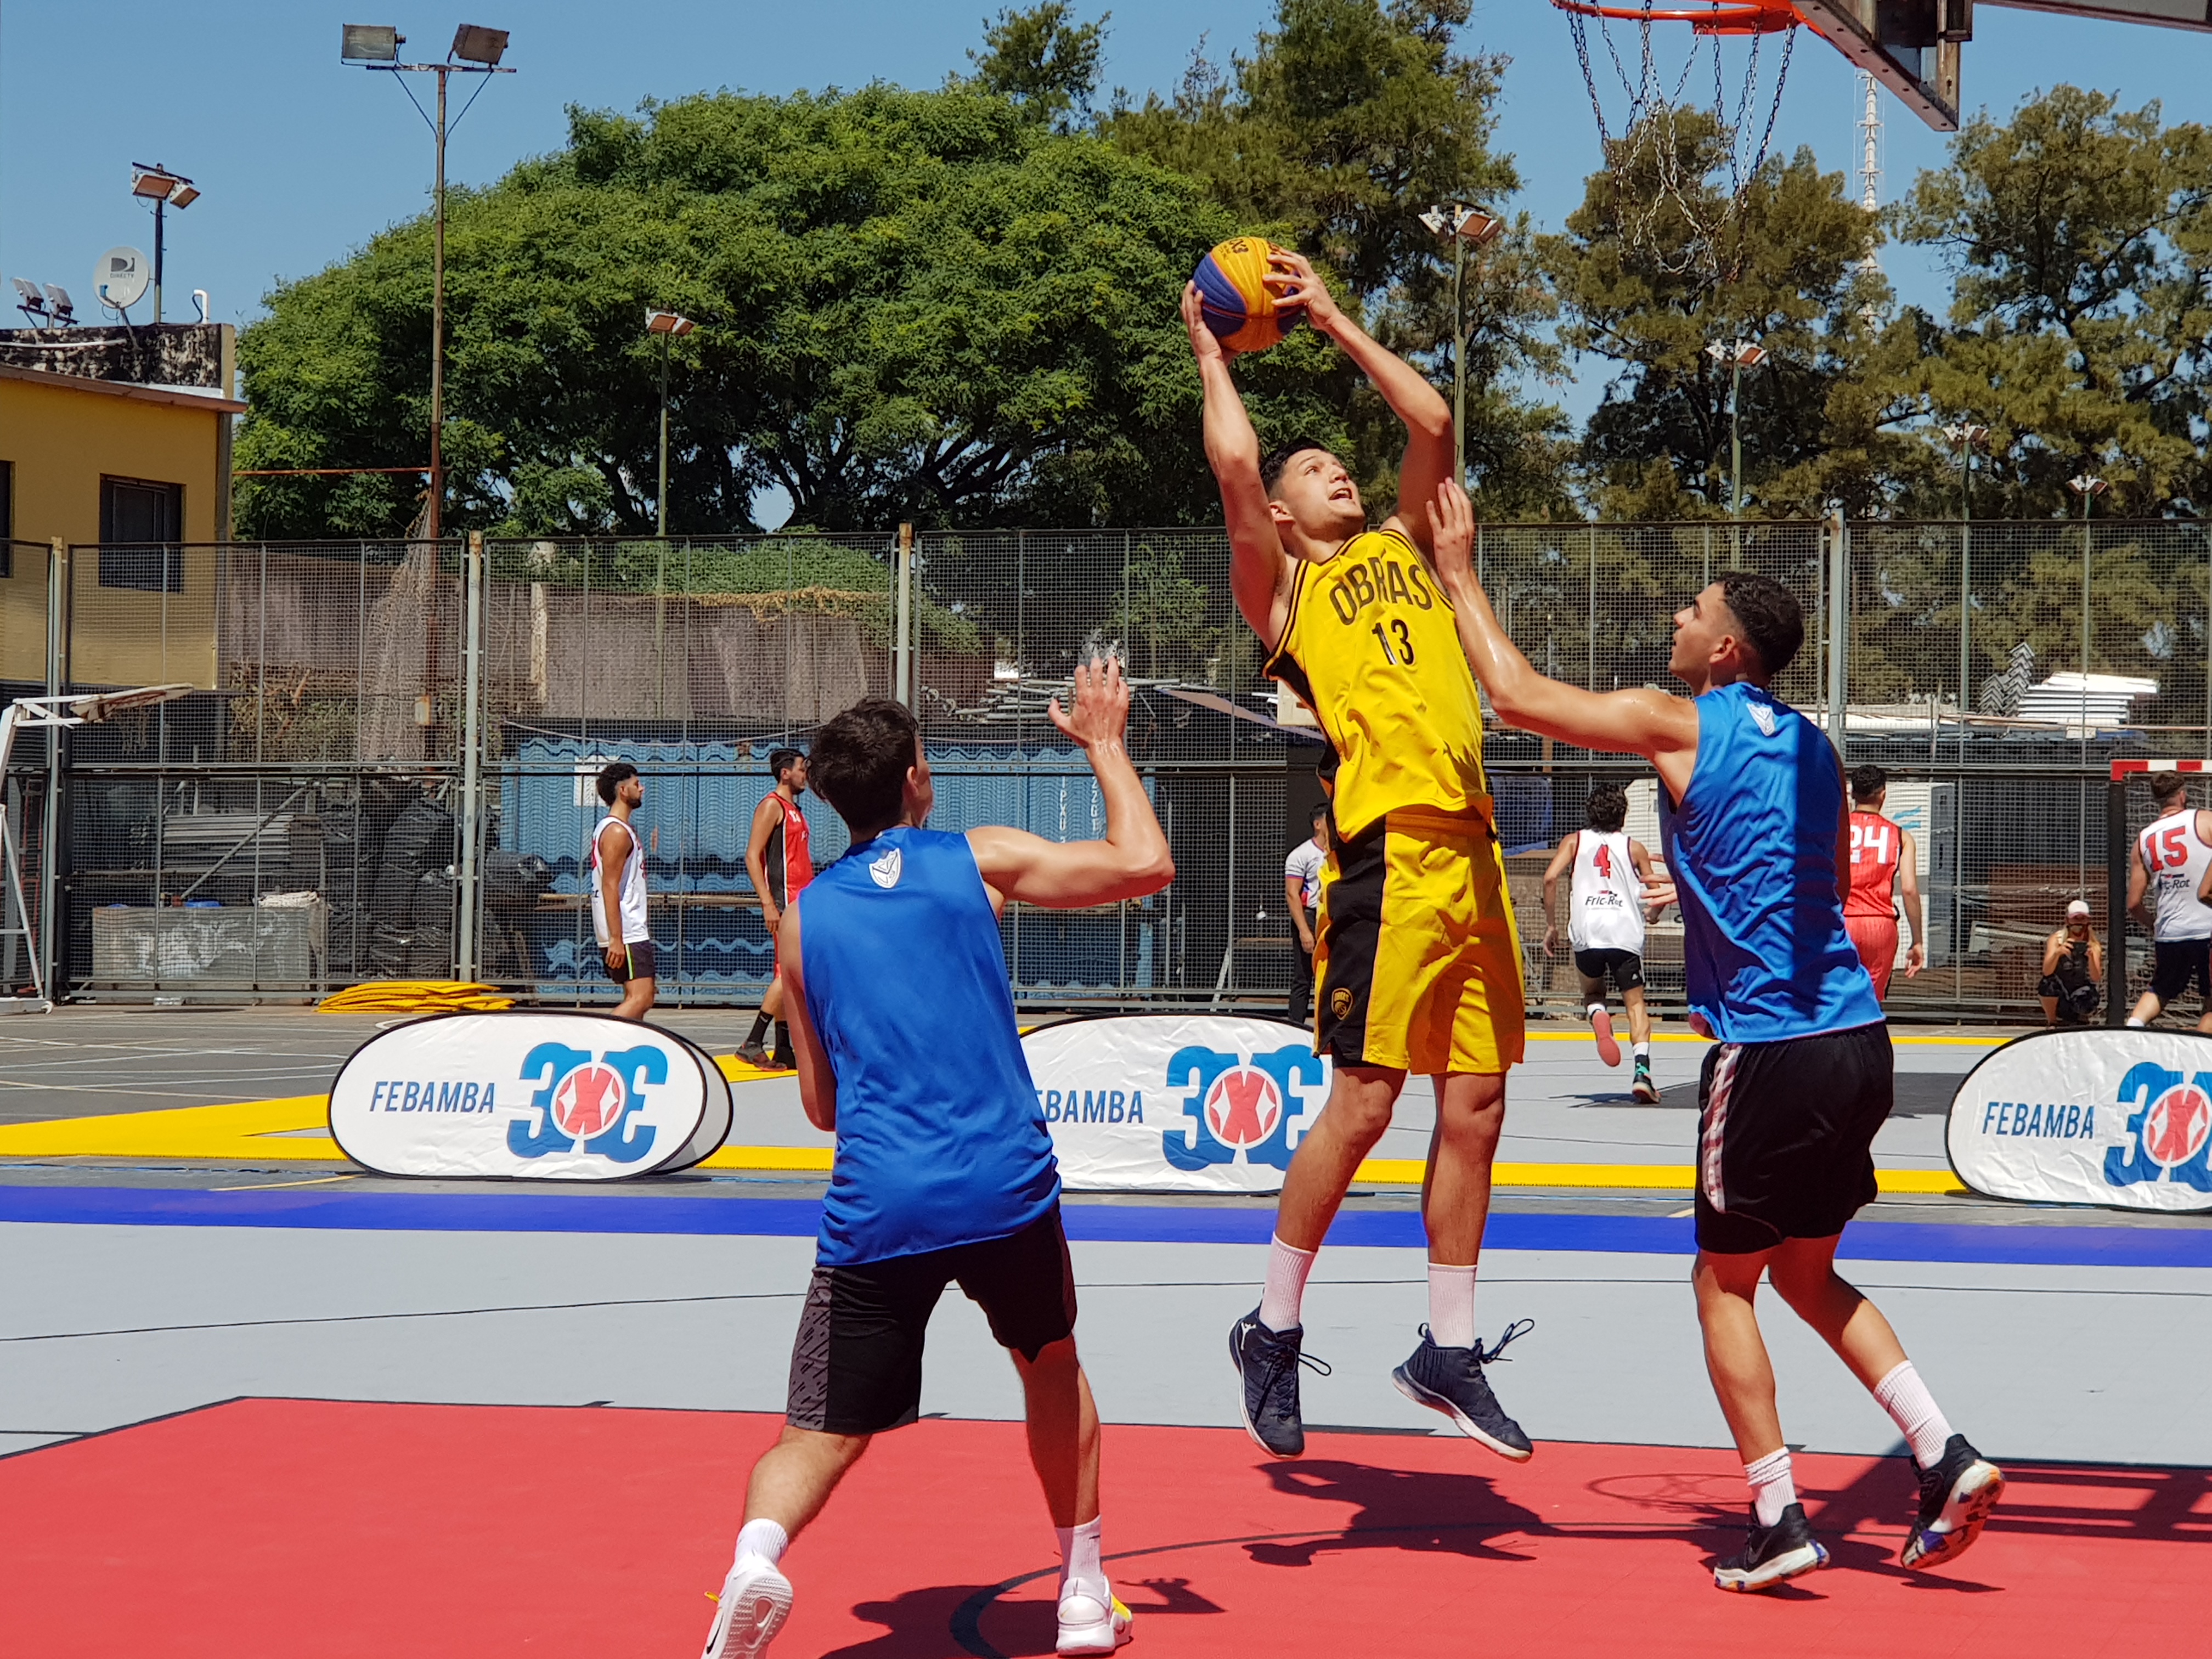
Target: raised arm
x,y
1426,415
1908,889
2053,949
817,1081
1132,861
1638,722
1260,571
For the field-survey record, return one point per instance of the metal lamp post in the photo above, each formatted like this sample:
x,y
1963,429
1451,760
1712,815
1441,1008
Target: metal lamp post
x,y
376,47
1966,438
1739,355
2088,489
668,325
1467,226
165,190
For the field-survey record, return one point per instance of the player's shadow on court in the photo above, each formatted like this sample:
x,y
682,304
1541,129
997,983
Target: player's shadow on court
x,y
986,1620
1416,1509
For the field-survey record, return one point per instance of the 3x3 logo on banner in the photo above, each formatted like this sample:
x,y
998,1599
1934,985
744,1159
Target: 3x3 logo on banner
x,y
1238,1106
588,1101
2170,1128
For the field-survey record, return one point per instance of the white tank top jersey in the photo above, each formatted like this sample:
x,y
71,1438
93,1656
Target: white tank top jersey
x,y
635,930
1607,900
2175,861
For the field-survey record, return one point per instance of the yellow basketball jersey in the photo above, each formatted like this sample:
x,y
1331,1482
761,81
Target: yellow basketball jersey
x,y
1371,647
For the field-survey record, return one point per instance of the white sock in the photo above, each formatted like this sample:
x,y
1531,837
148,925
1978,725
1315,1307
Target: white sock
x,y
764,1539
1913,1409
1772,1491
1594,1010
1285,1289
1642,1050
1080,1569
1451,1306
2134,1024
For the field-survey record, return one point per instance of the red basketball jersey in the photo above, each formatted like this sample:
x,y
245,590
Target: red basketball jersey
x,y
797,857
1877,844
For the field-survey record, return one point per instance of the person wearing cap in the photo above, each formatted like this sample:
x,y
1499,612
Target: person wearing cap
x,y
2073,968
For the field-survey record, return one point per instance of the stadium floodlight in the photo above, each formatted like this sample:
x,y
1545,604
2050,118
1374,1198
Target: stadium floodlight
x,y
668,326
165,190
475,44
1466,228
370,43
1739,355
479,50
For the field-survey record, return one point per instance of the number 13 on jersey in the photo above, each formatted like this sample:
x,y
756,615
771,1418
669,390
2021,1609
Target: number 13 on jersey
x,y
1397,644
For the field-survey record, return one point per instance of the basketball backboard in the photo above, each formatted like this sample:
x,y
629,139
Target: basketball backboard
x,y
1913,47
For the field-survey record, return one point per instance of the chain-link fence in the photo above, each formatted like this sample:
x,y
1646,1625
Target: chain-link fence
x,y
302,820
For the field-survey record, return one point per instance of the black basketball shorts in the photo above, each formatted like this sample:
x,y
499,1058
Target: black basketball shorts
x,y
2175,963
637,961
1624,968
856,1366
1785,1136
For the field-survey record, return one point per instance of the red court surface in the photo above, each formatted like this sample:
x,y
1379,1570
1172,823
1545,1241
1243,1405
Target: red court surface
x,y
310,1527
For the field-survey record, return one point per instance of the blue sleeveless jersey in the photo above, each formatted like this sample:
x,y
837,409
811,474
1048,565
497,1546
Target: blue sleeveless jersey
x,y
940,1141
1753,848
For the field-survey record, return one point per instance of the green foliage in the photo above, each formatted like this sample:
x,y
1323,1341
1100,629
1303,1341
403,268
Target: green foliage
x,y
1044,61
1639,295
2081,236
912,306
1348,119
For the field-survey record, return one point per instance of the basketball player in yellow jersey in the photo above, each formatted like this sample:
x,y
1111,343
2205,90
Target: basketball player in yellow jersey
x,y
1417,965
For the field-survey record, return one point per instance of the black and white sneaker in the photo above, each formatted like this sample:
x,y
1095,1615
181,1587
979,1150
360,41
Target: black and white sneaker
x,y
1267,1362
1956,1497
1450,1381
1643,1089
756,1600
1773,1554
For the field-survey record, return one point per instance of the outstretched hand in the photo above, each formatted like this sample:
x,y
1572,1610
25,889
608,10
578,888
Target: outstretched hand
x,y
1292,280
1102,704
1204,345
1451,533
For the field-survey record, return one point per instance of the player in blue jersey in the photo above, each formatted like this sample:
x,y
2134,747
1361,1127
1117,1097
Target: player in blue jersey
x,y
944,1171
1754,820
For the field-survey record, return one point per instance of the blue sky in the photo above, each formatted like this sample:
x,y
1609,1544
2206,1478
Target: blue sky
x,y
301,159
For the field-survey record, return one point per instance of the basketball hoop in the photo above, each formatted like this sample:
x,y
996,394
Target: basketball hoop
x,y
1663,166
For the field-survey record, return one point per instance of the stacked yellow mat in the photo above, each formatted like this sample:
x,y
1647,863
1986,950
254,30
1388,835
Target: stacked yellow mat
x,y
416,996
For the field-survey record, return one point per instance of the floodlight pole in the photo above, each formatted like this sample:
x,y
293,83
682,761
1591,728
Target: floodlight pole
x,y
660,509
436,524
1459,361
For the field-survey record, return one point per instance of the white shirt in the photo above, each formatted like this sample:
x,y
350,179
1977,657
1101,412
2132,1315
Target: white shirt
x,y
2174,859
631,891
1606,907
1305,862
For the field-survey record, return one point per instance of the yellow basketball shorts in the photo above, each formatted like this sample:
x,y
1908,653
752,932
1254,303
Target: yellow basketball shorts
x,y
1417,962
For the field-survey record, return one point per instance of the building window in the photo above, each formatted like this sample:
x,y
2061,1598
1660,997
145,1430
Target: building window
x,y
133,510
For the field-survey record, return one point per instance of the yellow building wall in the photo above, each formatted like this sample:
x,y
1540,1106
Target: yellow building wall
x,y
61,439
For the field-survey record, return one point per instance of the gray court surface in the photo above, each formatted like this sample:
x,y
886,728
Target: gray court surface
x,y
102,1326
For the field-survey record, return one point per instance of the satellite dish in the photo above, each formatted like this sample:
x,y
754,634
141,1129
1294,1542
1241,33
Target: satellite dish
x,y
121,278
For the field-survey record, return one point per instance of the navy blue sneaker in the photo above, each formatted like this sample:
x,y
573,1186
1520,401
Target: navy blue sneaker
x,y
1773,1554
1267,1362
1450,1381
1956,1496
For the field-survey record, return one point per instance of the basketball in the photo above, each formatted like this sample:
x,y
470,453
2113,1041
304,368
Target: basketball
x,y
1234,296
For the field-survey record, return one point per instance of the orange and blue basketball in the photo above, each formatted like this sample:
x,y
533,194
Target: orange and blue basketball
x,y
1234,298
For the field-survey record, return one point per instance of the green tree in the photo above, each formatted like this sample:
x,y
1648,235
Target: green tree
x,y
1347,120
2080,236
1043,60
913,306
1782,272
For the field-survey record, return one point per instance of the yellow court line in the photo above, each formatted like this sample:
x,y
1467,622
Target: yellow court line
x,y
250,1131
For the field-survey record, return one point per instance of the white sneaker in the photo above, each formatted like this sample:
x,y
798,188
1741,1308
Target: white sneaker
x,y
756,1601
1088,1625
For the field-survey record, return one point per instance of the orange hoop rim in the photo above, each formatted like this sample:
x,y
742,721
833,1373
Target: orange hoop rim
x,y
1722,17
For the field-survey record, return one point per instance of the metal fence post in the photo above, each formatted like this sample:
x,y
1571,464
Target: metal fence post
x,y
1966,617
903,672
471,757
2115,901
1840,629
58,564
